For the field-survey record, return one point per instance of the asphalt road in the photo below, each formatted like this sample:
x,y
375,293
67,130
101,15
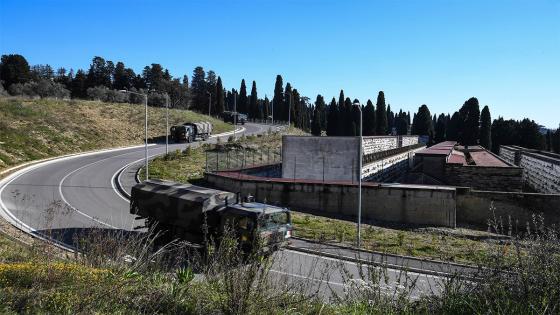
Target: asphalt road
x,y
73,194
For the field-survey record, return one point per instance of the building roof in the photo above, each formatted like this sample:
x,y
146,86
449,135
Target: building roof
x,y
443,148
485,158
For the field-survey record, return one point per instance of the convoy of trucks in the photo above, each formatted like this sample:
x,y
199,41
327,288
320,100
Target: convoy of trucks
x,y
196,214
190,132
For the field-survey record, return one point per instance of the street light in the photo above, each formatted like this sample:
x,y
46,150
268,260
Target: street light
x,y
145,125
209,101
359,240
235,113
166,124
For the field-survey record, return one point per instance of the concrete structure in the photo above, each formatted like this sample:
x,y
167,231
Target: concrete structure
x,y
471,166
422,205
541,169
337,158
410,204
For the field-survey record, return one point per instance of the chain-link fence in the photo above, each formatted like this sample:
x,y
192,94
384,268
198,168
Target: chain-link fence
x,y
241,158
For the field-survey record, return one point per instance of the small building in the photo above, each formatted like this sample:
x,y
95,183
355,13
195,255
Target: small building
x,y
468,166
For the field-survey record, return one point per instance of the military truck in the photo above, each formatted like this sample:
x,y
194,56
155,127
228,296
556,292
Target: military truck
x,y
196,214
234,117
190,132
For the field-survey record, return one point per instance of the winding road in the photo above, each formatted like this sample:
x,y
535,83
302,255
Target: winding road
x,y
75,193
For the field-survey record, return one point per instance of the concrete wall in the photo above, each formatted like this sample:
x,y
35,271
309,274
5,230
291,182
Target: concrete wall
x,y
311,157
484,177
474,207
401,203
541,172
332,158
389,167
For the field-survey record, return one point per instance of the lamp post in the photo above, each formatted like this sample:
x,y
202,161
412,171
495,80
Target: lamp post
x,y
166,124
145,126
209,101
359,240
235,113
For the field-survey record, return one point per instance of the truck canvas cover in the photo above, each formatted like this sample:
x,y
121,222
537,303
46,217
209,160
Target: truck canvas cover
x,y
176,204
202,127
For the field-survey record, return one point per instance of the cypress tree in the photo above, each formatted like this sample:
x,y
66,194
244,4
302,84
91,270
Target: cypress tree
x,y
390,119
342,116
266,108
253,103
349,126
423,124
452,130
242,101
278,99
556,141
332,120
320,107
470,118
486,128
381,115
316,123
219,97
355,110
198,88
440,129
288,103
369,119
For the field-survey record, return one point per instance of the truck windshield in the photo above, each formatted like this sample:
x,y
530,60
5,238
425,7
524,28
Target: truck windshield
x,y
274,219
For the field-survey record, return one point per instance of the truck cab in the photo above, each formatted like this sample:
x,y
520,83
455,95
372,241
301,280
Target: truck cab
x,y
253,221
182,133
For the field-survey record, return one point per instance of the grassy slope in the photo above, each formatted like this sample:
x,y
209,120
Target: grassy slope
x,y
35,129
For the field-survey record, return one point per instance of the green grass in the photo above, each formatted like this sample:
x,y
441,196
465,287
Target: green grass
x,y
410,242
35,129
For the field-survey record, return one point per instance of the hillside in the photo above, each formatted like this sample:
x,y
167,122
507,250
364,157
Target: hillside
x,y
41,128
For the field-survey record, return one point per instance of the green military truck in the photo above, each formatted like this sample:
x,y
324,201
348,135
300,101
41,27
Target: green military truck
x,y
195,214
189,132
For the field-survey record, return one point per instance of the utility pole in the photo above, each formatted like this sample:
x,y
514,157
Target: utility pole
x,y
209,102
359,240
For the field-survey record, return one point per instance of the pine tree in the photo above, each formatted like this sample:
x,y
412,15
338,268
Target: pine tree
x,y
253,103
242,101
332,120
486,128
470,117
381,115
278,100
219,97
14,69
368,119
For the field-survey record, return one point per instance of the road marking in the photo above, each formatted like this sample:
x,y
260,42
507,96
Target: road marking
x,y
306,277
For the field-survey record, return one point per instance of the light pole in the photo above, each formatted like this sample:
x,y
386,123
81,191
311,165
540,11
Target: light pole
x,y
359,241
235,113
145,126
166,124
209,101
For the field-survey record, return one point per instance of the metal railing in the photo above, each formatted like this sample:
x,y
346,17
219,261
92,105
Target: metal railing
x,y
243,158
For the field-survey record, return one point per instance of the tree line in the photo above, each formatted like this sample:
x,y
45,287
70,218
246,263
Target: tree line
x,y
104,80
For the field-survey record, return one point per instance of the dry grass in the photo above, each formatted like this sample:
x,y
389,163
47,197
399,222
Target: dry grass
x,y
35,129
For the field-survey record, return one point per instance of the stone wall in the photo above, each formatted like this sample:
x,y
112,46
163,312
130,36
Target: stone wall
x,y
378,144
484,177
408,204
508,154
409,140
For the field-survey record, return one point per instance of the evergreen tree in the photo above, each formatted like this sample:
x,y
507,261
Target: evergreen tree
x,y
349,123
342,119
332,120
212,88
320,110
278,99
470,117
220,106
390,119
381,115
287,109
79,85
368,119
316,123
198,90
266,108
486,128
14,69
356,107
452,130
253,102
242,100
504,132
556,141
530,136
440,129
549,140
423,124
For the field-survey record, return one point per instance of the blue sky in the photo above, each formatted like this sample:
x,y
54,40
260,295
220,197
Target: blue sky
x,y
439,53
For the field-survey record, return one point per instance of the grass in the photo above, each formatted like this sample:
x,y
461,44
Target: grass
x,y
424,243
41,128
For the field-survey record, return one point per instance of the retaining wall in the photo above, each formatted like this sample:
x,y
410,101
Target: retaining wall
x,y
484,177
